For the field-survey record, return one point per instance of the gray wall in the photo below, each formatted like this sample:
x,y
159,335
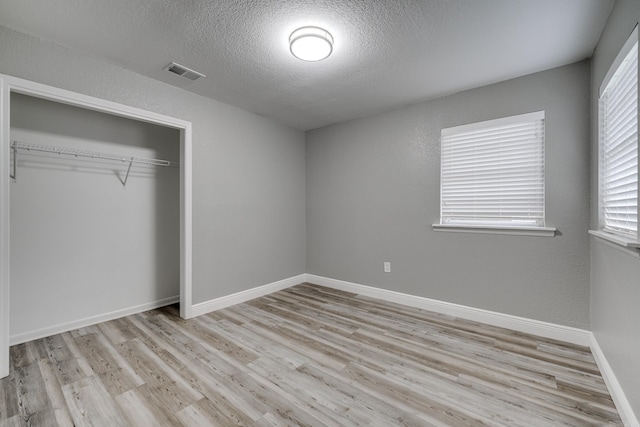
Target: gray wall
x,y
615,273
373,193
82,244
248,171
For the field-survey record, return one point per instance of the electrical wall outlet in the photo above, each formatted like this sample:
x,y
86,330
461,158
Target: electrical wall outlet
x,y
387,267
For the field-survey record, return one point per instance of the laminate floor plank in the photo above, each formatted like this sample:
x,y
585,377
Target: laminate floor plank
x,y
157,398
90,404
302,344
199,365
287,404
431,408
20,355
14,421
9,406
193,416
34,405
303,356
378,407
137,411
52,383
167,385
221,391
556,409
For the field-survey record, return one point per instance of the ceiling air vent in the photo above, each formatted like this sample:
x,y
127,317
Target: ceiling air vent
x,y
183,71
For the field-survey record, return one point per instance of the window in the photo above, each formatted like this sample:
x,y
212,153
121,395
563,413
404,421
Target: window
x,y
618,107
492,175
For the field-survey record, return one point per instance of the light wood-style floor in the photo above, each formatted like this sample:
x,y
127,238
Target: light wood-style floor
x,y
303,356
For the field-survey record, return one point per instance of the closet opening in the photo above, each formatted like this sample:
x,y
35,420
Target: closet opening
x,y
96,202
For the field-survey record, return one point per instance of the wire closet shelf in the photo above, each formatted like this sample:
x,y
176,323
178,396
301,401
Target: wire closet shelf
x,y
128,161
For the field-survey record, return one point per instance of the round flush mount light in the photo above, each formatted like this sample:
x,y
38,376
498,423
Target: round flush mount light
x,y
311,43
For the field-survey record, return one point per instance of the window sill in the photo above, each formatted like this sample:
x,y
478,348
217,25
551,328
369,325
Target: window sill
x,y
618,240
492,229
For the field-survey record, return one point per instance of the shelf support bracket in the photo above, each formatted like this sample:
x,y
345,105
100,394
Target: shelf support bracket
x,y
126,177
13,175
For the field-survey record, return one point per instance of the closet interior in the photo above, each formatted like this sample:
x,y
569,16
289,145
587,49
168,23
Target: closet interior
x,y
95,215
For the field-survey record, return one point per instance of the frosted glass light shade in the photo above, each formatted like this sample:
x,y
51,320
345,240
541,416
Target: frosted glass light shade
x,y
311,43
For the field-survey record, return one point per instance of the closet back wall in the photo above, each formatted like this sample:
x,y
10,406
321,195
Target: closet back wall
x,y
82,244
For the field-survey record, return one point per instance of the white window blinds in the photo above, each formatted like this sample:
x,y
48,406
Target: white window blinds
x,y
619,145
492,173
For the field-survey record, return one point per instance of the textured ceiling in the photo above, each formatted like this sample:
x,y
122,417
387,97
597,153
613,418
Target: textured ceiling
x,y
387,53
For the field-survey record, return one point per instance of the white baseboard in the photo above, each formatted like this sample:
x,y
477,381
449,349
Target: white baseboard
x,y
239,297
615,389
88,321
521,324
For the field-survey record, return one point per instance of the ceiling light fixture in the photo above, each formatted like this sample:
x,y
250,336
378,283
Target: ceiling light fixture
x,y
311,43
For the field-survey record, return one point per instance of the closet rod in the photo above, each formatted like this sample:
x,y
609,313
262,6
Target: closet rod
x,y
137,161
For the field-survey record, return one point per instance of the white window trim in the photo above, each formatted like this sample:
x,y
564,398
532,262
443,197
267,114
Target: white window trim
x,y
503,121
519,230
617,239
486,229
626,48
601,233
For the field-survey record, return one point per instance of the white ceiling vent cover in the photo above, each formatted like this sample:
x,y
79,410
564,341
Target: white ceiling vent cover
x,y
183,71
